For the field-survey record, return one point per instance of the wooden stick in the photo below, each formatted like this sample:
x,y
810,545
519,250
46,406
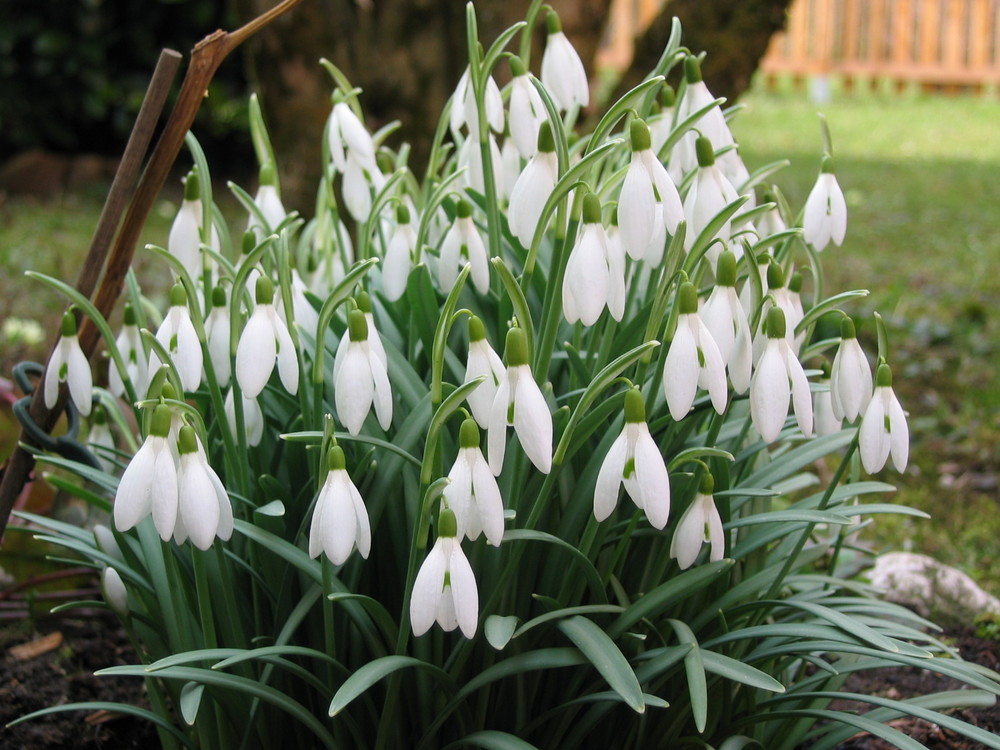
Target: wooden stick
x,y
205,60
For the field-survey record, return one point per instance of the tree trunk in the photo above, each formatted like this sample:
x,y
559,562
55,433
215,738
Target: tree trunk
x,y
735,33
406,56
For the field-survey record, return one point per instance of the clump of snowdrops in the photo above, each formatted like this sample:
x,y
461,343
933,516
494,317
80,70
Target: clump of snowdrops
x,y
541,448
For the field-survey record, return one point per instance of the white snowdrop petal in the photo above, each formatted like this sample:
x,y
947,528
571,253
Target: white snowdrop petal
x,y
769,393
716,534
689,535
609,478
899,432
487,499
635,209
680,371
801,396
163,495
465,593
288,362
78,377
363,533
533,421
354,389
652,480
255,354
133,499
496,435
383,392
873,442
427,590
198,504
316,525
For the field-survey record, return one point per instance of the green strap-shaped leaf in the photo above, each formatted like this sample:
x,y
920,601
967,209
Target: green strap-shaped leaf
x,y
491,739
735,670
120,708
694,669
607,659
530,535
374,671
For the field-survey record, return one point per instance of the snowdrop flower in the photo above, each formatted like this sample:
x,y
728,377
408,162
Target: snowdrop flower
x,y
177,335
114,591
519,402
779,375
464,110
340,519
510,166
360,379
825,215
100,436
398,256
563,73
68,364
483,361
850,376
360,182
712,125
646,192
203,508
771,221
348,138
725,319
634,461
264,341
777,294
533,187
268,202
473,493
699,525
217,330
463,244
470,158
883,427
304,315
184,240
693,360
253,417
826,422
444,590
594,277
527,111
149,483
710,193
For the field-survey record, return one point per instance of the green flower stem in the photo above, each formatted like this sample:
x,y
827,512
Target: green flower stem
x,y
531,19
445,322
552,304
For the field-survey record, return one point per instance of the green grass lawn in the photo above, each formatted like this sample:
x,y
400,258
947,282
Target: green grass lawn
x,y
920,175
922,185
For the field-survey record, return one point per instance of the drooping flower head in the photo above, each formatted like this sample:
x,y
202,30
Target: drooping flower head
x,y
68,364
177,335
360,379
149,483
563,73
710,192
265,341
445,590
340,520
825,215
779,375
884,431
595,271
635,462
850,376
399,255
693,360
463,244
473,493
217,332
700,524
527,111
203,508
725,319
519,402
483,361
268,202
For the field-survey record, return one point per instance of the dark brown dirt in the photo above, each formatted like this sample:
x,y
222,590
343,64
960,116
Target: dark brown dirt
x,y
63,675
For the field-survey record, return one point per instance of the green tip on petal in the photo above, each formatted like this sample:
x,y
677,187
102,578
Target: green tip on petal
x,y
847,329
775,323
775,276
825,370
638,133
883,376
692,69
219,297
187,442
517,67
725,271
159,425
827,165
707,485
264,291
706,154
546,141
178,295
248,243
552,23
687,299
447,523
464,209
364,301
335,459
668,97
357,325
468,436
477,331
129,316
402,214
795,283
635,407
384,162
100,416
516,350
591,209
68,326
167,390
192,186
267,175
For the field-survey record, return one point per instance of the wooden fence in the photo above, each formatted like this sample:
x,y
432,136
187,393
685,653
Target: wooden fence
x,y
932,43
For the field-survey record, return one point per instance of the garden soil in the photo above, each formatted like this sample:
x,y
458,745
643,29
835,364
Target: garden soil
x,y
54,662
